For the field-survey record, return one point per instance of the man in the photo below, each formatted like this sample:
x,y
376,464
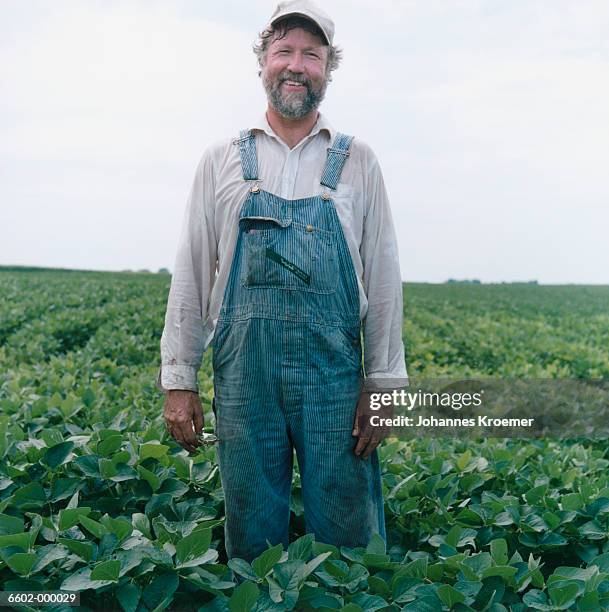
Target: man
x,y
287,248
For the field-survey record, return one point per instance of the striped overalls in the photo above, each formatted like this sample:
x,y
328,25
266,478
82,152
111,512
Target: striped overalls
x,y
287,371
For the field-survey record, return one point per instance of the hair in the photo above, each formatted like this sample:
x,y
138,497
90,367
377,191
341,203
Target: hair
x,y
282,27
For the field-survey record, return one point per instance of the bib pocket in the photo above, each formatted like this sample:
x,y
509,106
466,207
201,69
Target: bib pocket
x,y
288,255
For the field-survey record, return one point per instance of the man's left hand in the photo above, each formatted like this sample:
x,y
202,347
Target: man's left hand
x,y
369,436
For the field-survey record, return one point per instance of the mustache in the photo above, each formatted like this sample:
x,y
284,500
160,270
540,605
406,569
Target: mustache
x,y
297,78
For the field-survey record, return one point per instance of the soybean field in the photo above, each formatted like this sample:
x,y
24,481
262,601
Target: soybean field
x,y
95,498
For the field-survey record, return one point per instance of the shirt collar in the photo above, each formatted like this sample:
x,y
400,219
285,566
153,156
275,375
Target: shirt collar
x,y
262,125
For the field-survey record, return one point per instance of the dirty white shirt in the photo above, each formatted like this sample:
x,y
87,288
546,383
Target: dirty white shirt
x,y
209,232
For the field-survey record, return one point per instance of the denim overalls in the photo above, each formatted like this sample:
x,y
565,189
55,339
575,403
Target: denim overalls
x,y
287,371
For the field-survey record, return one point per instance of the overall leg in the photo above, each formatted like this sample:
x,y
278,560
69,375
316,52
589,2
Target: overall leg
x,y
342,493
254,452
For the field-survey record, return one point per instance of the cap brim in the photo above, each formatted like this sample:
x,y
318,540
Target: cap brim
x,y
304,16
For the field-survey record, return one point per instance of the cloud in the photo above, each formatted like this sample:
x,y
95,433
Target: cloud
x,y
488,118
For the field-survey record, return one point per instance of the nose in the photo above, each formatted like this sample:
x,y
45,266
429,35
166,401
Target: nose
x,y
296,62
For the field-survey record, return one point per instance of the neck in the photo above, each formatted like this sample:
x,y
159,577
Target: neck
x,y
291,131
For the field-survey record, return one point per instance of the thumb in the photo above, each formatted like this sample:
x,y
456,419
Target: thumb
x,y
355,431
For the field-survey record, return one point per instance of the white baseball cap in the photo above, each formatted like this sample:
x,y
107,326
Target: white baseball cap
x,y
308,10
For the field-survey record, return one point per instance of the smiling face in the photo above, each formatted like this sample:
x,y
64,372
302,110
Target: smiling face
x,y
294,73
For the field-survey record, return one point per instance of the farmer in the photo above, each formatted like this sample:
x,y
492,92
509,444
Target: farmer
x,y
287,249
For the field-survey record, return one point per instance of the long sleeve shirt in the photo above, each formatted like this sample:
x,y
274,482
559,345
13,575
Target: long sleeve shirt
x,y
209,233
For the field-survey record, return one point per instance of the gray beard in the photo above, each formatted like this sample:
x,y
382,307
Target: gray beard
x,y
293,106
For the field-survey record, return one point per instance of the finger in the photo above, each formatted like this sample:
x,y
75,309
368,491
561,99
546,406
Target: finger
x,y
355,431
179,437
360,420
198,420
372,444
188,437
361,444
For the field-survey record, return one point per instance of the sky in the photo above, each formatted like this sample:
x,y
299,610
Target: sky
x,y
489,119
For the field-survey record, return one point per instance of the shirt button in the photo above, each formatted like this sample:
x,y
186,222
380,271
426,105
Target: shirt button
x,y
309,228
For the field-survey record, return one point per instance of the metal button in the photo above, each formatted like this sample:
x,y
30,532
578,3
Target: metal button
x,y
309,228
255,188
325,196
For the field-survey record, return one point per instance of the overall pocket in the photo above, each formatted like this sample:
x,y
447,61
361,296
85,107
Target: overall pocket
x,y
290,256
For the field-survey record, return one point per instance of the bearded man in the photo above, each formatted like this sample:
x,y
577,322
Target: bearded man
x,y
287,253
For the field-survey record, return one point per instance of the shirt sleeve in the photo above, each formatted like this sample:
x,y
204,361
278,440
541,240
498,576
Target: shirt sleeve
x,y
182,340
384,362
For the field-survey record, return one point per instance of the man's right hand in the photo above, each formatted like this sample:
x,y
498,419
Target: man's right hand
x,y
184,417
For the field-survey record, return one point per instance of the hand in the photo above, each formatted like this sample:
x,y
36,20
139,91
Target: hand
x,y
183,412
369,437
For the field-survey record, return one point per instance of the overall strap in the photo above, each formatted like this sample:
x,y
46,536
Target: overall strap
x,y
247,150
337,156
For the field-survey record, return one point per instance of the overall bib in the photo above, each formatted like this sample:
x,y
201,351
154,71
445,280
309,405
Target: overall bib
x,y
287,372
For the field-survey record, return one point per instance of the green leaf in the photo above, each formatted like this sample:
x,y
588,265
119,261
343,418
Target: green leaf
x,y
106,570
10,524
423,604
71,516
379,587
563,593
58,454
571,501
160,588
21,540
64,488
88,465
593,530
285,584
503,571
243,568
449,595
22,584
142,524
321,547
45,555
193,545
81,581
121,528
601,561
302,547
537,600
312,565
82,548
152,449
414,569
30,497
244,597
93,527
128,596
376,545
107,469
499,551
369,603
452,537
150,477
21,563
536,494
109,445
266,561
463,460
